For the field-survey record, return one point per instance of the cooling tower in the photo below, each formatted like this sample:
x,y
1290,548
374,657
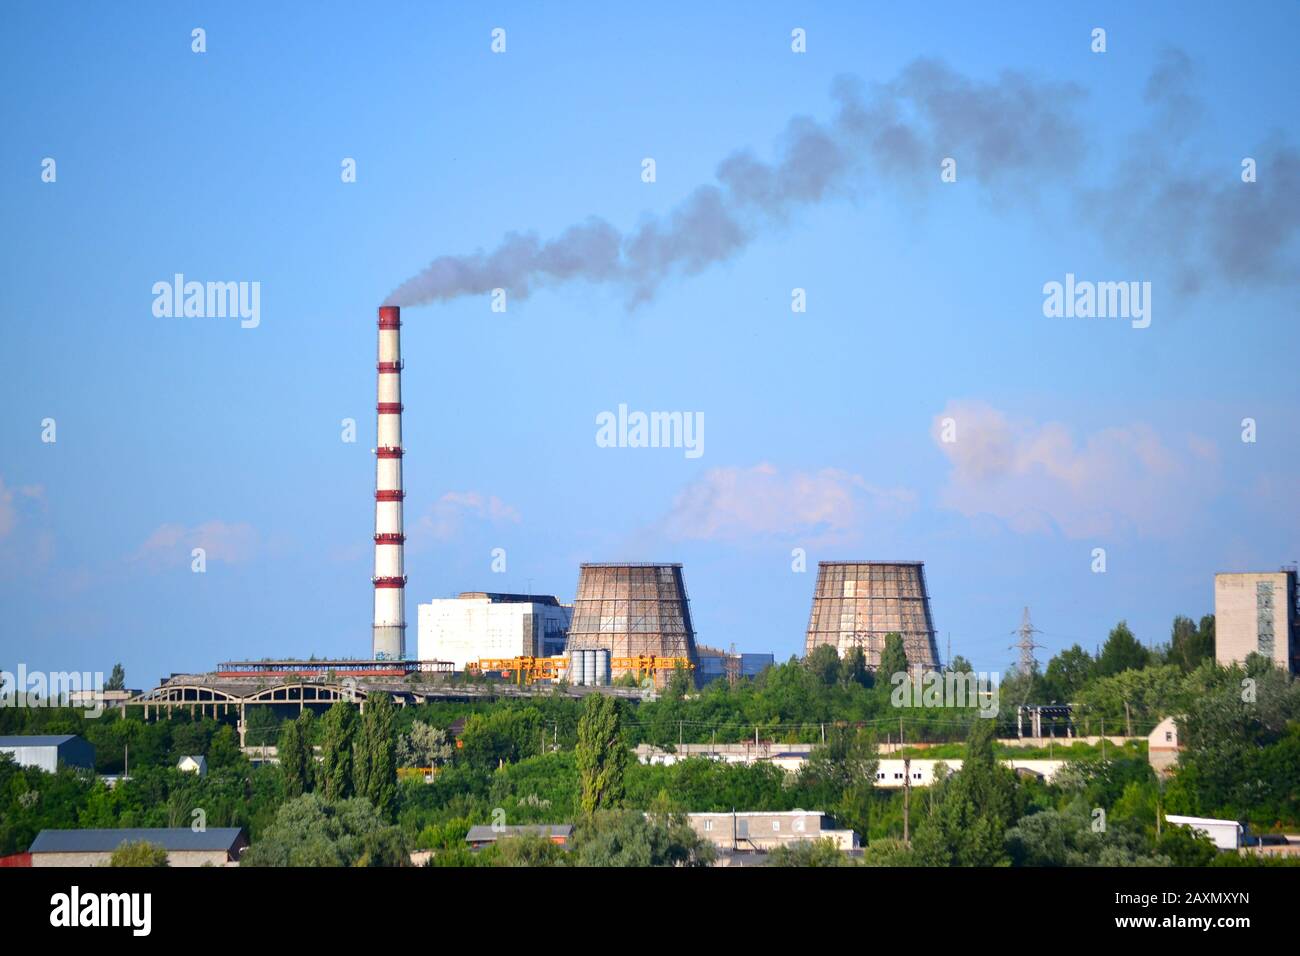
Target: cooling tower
x,y
632,610
856,603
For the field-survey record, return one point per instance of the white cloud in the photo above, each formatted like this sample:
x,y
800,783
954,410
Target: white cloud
x,y
734,503
9,506
1039,477
172,544
448,516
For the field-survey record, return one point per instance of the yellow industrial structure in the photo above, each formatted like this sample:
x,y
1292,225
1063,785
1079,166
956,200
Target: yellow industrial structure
x,y
526,670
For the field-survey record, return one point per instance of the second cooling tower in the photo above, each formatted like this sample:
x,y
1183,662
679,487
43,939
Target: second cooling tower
x,y
856,603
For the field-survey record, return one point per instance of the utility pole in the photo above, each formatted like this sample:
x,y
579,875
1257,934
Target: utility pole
x,y
126,761
907,801
1103,738
1128,721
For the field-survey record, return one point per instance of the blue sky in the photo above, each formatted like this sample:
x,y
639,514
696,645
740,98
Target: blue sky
x,y
822,428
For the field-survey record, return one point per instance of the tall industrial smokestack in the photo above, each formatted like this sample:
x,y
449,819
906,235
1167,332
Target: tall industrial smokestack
x,y
390,576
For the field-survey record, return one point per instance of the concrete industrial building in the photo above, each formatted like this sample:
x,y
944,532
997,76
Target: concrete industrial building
x,y
482,624
856,603
1255,612
764,830
485,835
633,610
715,664
219,846
49,752
1226,834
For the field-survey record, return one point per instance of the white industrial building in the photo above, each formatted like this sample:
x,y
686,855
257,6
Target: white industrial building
x,y
765,830
1226,834
481,624
1256,613
49,752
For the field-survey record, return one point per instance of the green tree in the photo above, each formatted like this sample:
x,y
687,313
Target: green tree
x,y
1068,672
223,750
296,755
1121,652
893,660
1184,846
423,746
822,852
139,853
628,838
1189,644
888,852
971,810
679,684
310,831
841,774
601,755
263,727
375,755
824,663
1069,838
853,669
528,849
117,679
338,731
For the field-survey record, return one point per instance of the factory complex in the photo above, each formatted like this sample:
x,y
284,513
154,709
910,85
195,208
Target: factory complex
x,y
629,629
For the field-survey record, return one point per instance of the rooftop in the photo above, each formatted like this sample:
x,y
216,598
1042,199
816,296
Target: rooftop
x,y
37,740
497,597
486,834
106,841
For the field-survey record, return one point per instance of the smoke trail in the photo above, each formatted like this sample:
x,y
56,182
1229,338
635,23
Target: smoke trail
x,y
1202,223
899,131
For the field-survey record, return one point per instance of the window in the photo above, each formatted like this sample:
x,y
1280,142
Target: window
x,y
1169,736
708,824
776,826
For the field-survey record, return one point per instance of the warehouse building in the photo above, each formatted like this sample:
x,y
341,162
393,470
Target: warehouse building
x,y
1255,612
49,752
483,835
483,624
185,847
717,664
765,830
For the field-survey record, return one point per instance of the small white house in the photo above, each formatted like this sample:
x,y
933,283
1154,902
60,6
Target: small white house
x,y
189,764
1226,834
1163,746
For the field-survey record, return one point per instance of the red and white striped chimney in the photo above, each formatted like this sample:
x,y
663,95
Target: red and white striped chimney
x,y
389,642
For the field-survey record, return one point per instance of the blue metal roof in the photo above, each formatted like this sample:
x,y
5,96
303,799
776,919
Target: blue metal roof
x,y
106,841
37,740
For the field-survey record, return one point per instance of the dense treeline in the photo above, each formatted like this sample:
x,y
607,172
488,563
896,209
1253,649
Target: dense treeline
x,y
347,790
